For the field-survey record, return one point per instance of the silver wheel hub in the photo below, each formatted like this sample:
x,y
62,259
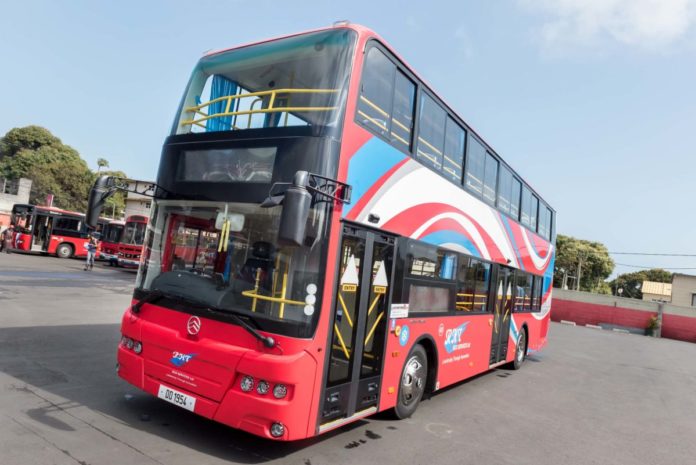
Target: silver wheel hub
x,y
520,348
413,380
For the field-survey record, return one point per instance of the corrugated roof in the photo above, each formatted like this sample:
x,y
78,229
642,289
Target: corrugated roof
x,y
652,287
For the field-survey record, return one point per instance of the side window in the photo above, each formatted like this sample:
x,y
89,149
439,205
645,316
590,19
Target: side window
x,y
431,132
549,223
429,281
402,116
523,292
537,293
542,221
67,224
490,178
475,166
504,190
526,206
515,198
375,103
455,138
473,280
533,212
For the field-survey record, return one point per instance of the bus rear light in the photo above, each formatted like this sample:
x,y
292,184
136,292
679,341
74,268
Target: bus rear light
x,y
277,430
137,347
263,387
280,391
247,384
129,343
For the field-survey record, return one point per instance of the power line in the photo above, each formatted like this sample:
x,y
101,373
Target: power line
x,y
652,267
655,254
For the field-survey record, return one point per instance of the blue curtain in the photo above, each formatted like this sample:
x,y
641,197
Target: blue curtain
x,y
220,87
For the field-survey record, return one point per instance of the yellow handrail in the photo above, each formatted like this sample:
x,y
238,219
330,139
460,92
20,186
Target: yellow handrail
x,y
254,295
196,110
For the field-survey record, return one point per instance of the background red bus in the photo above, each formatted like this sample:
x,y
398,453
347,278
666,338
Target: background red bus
x,y
131,245
110,239
50,230
411,258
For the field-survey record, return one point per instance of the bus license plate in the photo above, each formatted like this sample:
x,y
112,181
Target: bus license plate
x,y
176,398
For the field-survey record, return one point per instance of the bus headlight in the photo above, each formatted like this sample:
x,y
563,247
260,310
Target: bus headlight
x,y
129,343
263,387
247,384
280,391
137,347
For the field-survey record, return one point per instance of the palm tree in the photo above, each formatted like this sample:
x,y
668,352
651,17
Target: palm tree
x,y
102,163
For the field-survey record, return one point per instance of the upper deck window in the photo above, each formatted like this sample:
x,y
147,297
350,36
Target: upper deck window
x,y
296,81
386,101
476,157
431,134
453,159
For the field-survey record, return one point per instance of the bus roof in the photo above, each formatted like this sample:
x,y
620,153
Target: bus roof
x,y
367,33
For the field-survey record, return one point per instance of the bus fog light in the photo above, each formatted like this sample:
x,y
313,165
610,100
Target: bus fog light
x,y
277,430
247,384
263,387
137,347
280,391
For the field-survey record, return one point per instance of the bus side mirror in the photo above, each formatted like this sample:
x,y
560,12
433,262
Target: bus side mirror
x,y
296,204
101,190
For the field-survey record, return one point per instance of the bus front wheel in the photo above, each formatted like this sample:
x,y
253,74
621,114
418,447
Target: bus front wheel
x,y
64,251
413,381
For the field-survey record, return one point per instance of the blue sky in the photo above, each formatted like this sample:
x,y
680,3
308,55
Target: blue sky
x,y
593,102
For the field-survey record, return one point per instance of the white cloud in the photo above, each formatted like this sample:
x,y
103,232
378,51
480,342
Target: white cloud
x,y
650,24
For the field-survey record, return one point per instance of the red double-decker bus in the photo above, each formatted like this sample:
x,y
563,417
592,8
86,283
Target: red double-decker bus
x,y
51,230
328,240
131,245
110,238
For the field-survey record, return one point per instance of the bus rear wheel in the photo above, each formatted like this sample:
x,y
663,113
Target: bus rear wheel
x,y
64,251
413,381
520,350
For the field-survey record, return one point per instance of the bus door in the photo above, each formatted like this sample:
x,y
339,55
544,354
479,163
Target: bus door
x,y
502,315
358,329
42,232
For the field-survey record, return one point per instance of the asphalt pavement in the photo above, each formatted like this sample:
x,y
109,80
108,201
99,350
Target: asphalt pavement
x,y
591,397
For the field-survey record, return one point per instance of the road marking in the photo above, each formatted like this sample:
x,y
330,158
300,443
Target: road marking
x,y
593,326
566,322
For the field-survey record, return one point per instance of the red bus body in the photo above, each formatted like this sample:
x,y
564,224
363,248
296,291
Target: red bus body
x,y
50,230
111,237
131,246
419,227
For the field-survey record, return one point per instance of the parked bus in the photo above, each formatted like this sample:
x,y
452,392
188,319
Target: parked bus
x,y
328,240
111,237
51,230
131,245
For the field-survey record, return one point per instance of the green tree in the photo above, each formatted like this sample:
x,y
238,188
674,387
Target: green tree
x,y
26,138
54,168
582,265
116,204
632,283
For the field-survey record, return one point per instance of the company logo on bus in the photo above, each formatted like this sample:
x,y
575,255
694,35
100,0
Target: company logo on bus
x,y
453,338
178,359
193,326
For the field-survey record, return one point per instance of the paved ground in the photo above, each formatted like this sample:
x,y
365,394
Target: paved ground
x,y
593,397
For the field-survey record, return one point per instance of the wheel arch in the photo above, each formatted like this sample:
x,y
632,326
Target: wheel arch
x,y
428,343
70,245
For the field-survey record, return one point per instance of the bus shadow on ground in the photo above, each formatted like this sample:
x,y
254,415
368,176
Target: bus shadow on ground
x,y
77,363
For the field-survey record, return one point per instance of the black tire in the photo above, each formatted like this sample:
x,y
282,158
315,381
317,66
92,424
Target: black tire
x,y
520,351
414,377
64,251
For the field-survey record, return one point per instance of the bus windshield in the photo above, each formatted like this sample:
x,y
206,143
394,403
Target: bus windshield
x,y
134,233
296,81
226,255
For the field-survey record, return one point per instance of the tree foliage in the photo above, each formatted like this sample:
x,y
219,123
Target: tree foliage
x,y
55,168
588,259
631,283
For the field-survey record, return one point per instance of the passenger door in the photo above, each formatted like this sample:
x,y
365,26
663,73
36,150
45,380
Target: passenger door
x,y
502,314
358,330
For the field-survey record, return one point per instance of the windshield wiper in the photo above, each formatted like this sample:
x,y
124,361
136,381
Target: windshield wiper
x,y
151,298
267,341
